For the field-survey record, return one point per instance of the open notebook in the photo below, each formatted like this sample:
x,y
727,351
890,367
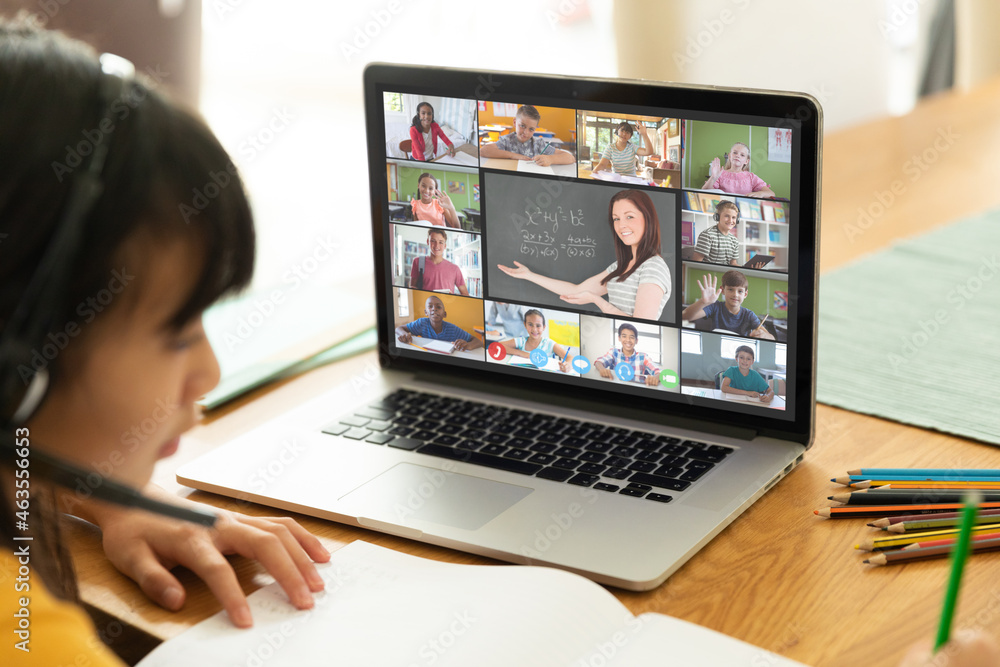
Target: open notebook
x,y
382,607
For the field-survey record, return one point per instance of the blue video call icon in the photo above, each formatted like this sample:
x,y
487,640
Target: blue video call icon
x,y
581,365
624,371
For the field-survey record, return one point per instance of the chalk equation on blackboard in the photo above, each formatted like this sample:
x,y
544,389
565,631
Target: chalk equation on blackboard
x,y
539,217
545,244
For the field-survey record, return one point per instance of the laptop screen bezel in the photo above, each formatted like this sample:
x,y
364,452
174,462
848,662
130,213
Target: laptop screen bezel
x,y
796,110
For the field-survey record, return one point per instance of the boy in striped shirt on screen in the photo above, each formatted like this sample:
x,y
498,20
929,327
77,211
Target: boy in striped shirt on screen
x,y
642,367
718,244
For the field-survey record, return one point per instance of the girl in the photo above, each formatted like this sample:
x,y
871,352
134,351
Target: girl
x,y
109,220
424,134
432,204
637,283
736,177
534,323
620,154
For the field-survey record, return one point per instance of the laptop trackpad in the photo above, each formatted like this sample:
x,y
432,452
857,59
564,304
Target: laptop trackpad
x,y
407,492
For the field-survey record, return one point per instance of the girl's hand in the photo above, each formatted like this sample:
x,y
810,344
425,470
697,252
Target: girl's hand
x,y
709,292
966,649
580,298
444,199
564,366
518,156
145,547
643,130
521,271
543,160
451,151
714,168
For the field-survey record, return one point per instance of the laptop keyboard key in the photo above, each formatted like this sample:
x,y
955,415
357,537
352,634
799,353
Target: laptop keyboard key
x,y
493,450
591,469
405,443
478,458
554,474
544,459
617,462
357,433
642,466
591,457
659,497
379,438
711,457
519,454
648,456
583,479
692,475
446,440
617,473
401,430
659,481
635,493
354,420
565,463
604,486
336,429
669,471
543,447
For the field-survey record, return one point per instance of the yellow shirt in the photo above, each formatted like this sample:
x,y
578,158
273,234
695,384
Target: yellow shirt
x,y
54,633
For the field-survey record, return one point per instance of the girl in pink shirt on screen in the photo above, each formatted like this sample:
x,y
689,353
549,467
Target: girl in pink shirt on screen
x,y
735,177
433,205
424,135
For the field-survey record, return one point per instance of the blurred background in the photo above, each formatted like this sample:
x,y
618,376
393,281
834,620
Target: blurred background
x,y
280,84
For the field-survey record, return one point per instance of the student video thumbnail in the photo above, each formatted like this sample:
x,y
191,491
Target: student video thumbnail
x,y
428,128
527,337
436,259
527,138
570,245
630,148
438,324
629,352
435,196
742,302
734,370
745,160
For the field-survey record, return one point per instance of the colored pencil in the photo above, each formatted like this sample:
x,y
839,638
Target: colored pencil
x,y
896,541
960,555
888,521
937,523
905,497
947,541
861,511
904,555
964,486
938,472
888,479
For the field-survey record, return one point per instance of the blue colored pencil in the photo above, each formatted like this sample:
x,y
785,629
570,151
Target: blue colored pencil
x,y
881,473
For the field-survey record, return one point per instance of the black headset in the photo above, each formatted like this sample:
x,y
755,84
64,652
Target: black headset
x,y
22,387
715,216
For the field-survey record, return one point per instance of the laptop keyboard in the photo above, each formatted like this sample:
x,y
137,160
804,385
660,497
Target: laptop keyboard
x,y
607,458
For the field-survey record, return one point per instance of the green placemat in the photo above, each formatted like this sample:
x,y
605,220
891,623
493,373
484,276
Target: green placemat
x,y
912,333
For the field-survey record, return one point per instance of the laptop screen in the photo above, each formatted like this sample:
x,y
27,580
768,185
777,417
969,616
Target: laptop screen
x,y
538,228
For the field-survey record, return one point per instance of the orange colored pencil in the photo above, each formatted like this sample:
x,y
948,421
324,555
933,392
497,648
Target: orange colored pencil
x,y
861,511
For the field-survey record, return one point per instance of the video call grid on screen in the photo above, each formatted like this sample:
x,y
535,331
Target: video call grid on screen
x,y
544,212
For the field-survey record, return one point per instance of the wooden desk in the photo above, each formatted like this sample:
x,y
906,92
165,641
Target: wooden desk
x,y
778,577
510,164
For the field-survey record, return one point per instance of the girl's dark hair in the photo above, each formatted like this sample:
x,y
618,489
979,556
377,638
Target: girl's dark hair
x,y
429,175
649,245
533,311
416,118
624,125
166,177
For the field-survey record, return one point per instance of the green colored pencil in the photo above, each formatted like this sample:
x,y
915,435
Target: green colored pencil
x,y
959,556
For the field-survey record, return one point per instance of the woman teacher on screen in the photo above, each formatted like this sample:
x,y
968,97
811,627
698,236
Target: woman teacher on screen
x,y
637,283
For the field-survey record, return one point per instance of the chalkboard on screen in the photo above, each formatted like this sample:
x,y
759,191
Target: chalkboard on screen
x,y
559,229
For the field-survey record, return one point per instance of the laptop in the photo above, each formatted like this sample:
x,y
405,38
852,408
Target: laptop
x,y
535,404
